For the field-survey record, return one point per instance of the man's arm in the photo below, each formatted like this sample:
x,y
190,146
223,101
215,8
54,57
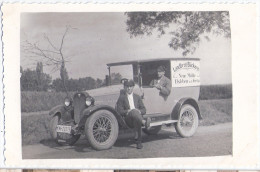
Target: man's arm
x,y
120,106
152,83
166,90
141,106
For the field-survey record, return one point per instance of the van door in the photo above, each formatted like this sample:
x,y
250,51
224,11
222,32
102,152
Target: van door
x,y
153,101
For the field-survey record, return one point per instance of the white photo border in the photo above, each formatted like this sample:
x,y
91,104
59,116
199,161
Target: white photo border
x,y
245,103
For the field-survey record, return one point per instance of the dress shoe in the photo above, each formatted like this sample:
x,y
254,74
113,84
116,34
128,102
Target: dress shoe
x,y
147,124
139,145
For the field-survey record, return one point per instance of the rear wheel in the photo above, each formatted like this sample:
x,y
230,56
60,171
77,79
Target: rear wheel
x,y
62,138
101,129
188,121
152,130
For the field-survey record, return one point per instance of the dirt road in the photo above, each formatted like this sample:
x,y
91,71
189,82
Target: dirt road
x,y
208,141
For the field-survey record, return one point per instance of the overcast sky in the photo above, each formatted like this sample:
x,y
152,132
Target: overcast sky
x,y
101,38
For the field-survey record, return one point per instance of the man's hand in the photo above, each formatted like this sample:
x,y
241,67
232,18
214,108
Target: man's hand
x,y
138,110
129,110
158,86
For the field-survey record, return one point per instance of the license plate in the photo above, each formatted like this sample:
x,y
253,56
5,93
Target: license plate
x,y
63,129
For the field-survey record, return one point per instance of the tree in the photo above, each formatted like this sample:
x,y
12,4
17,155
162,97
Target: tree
x,y
34,80
115,78
99,83
57,85
190,26
81,84
39,72
28,80
52,56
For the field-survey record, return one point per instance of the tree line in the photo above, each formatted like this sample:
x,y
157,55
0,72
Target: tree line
x,y
37,80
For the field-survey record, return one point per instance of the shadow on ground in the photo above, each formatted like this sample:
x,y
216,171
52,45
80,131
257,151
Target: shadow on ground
x,y
162,135
83,145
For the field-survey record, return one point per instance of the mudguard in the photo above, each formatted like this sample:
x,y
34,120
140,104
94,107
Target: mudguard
x,y
177,108
56,109
90,110
66,114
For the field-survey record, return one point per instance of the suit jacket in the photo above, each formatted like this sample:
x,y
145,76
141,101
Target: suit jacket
x,y
166,85
122,105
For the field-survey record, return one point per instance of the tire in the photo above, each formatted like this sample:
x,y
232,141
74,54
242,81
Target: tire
x,y
62,138
153,130
188,121
101,129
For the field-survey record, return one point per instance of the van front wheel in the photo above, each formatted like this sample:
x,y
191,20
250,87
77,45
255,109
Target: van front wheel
x,y
101,129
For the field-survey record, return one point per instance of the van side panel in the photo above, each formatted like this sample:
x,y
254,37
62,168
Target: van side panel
x,y
155,103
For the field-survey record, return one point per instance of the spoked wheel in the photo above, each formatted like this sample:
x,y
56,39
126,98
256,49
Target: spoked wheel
x,y
152,130
62,138
188,121
101,129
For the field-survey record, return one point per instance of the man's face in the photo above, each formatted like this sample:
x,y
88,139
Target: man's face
x,y
129,90
160,73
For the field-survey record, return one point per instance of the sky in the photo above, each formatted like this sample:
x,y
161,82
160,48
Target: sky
x,y
100,38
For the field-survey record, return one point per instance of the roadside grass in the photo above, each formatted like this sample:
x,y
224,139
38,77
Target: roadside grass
x,y
35,125
215,111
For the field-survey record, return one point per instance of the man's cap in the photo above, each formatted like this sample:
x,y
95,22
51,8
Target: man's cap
x,y
67,99
129,83
161,69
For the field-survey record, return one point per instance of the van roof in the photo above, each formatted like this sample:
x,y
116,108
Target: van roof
x,y
149,60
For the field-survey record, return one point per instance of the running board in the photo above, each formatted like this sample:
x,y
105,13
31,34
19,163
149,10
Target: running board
x,y
152,124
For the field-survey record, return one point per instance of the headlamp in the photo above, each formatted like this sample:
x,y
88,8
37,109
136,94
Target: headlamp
x,y
89,101
67,102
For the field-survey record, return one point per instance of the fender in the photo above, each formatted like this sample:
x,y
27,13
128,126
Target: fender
x,y
66,115
56,109
90,110
177,108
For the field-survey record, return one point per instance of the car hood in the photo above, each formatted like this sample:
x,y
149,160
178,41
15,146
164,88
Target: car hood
x,y
109,95
106,95
102,91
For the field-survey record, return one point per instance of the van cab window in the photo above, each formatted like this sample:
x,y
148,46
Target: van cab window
x,y
149,71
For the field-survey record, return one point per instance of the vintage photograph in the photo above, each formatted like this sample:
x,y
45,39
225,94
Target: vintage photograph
x,y
125,85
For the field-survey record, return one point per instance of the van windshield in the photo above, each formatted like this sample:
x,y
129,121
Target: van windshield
x,y
119,72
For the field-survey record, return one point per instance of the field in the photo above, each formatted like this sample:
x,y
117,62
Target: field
x,y
43,101
209,92
215,104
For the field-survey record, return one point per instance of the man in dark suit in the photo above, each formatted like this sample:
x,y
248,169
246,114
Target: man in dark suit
x,y
163,84
131,107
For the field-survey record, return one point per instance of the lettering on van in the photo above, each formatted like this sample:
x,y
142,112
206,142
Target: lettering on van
x,y
185,65
185,73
